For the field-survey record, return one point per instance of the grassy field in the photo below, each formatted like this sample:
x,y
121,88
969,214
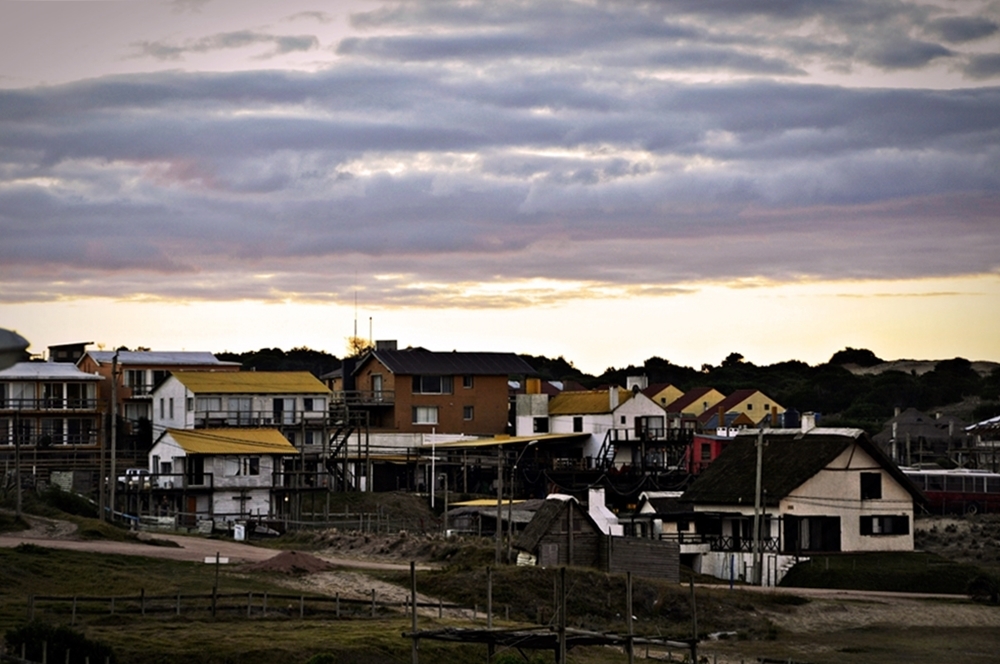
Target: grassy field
x,y
751,624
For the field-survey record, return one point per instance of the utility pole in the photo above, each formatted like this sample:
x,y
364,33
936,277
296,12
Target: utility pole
x,y
756,510
499,533
113,478
17,461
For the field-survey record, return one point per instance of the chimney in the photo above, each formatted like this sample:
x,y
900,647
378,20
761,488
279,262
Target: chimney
x,y
613,397
386,344
808,421
896,411
774,417
533,386
631,382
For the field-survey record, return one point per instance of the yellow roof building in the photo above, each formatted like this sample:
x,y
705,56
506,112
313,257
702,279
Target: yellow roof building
x,y
251,382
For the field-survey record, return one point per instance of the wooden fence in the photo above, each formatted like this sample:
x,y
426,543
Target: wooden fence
x,y
247,605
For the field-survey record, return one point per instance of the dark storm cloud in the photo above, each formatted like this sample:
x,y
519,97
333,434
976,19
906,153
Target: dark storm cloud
x,y
484,142
961,29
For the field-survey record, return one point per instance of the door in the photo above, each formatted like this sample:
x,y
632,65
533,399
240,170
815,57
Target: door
x,y
284,411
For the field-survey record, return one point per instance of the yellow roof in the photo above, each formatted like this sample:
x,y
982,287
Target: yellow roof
x,y
500,441
485,502
232,441
251,382
585,403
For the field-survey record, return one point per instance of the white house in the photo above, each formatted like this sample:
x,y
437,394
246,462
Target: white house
x,y
822,490
294,401
219,475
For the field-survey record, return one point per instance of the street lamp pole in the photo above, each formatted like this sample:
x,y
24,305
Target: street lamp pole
x,y
510,502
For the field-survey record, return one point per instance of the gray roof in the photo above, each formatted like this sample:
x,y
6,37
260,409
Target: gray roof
x,y
549,512
790,458
166,358
420,361
45,371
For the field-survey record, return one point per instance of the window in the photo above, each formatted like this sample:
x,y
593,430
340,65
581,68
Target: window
x,y
891,524
171,403
162,411
52,393
239,410
205,404
467,412
136,379
577,425
253,466
190,404
749,406
706,451
540,425
425,415
310,438
871,486
623,419
432,385
307,403
76,395
467,382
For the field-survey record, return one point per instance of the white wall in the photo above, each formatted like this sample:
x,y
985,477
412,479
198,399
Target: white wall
x,y
171,388
836,490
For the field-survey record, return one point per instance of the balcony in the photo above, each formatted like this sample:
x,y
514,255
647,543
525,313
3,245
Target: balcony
x,y
47,404
723,543
205,419
54,439
364,398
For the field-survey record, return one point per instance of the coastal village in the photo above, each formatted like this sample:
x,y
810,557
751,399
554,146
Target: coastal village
x,y
636,477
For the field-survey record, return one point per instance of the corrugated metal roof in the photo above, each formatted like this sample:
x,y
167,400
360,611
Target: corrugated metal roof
x,y
251,382
232,441
509,440
423,362
45,371
153,357
592,402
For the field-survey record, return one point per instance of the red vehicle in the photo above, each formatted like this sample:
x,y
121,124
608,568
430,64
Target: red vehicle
x,y
960,490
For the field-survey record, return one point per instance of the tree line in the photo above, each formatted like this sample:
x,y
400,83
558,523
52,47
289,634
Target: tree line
x,y
843,397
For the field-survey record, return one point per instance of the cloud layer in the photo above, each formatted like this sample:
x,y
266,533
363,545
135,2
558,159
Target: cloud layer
x,y
576,149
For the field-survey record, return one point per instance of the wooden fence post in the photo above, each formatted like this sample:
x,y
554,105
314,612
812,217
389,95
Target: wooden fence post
x,y
373,602
178,604
249,601
302,606
142,600
72,620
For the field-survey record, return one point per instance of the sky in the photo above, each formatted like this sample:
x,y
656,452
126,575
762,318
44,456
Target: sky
x,y
602,181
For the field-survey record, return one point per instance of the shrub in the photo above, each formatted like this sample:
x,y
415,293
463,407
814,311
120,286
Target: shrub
x,y
57,640
985,588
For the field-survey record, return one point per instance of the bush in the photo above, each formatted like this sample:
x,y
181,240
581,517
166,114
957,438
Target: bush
x,y
57,640
985,588
68,502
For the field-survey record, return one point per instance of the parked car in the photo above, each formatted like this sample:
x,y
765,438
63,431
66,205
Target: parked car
x,y
135,478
